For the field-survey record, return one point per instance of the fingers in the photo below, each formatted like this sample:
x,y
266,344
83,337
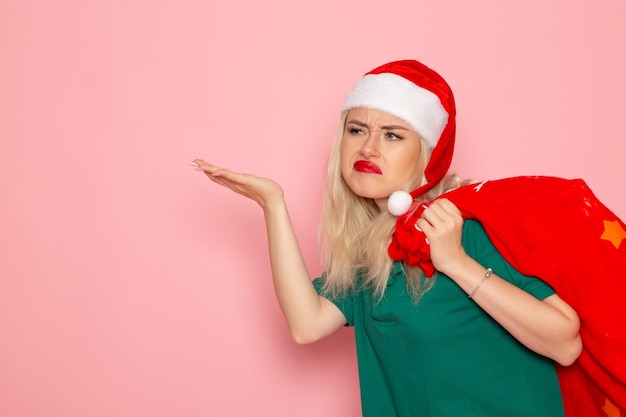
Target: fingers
x,y
442,224
207,168
442,208
441,214
440,211
256,188
219,175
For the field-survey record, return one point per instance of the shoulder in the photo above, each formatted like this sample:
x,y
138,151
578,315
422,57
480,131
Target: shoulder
x,y
474,235
480,247
474,227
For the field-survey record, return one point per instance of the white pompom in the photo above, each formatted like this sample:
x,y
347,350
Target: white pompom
x,y
399,203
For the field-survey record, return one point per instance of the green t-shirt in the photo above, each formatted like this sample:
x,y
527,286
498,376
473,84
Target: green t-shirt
x,y
445,357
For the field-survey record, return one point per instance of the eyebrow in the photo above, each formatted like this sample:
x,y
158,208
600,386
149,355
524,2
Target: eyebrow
x,y
387,127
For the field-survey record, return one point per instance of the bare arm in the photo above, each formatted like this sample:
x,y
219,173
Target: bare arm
x,y
309,316
549,327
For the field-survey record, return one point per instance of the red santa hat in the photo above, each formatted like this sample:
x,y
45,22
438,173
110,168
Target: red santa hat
x,y
418,95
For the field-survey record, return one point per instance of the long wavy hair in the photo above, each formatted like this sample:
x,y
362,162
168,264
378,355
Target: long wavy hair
x,y
355,233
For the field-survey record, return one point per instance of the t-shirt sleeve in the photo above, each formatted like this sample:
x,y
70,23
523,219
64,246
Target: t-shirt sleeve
x,y
478,246
345,303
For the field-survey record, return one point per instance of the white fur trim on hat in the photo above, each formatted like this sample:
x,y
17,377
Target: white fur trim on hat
x,y
399,202
402,98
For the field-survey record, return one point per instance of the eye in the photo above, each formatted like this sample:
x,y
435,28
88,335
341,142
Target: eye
x,y
393,136
354,130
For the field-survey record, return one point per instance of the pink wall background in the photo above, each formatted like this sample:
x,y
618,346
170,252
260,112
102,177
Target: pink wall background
x,y
132,286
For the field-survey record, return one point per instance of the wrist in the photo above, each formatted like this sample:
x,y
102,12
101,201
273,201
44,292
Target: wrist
x,y
469,275
457,266
274,205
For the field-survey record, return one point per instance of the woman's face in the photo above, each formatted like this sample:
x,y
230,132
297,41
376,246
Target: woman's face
x,y
379,154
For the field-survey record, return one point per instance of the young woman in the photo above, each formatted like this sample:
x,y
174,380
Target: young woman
x,y
477,339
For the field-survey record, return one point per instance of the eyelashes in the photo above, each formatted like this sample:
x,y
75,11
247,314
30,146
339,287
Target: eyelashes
x,y
389,135
393,136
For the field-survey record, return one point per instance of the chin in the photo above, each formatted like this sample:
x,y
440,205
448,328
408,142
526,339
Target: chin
x,y
369,195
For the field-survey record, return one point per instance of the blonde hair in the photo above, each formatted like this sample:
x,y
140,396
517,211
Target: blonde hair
x,y
355,233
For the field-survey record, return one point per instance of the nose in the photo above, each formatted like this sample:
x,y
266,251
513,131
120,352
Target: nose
x,y
370,147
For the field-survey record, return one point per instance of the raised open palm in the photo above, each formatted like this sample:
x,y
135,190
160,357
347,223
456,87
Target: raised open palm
x,y
262,190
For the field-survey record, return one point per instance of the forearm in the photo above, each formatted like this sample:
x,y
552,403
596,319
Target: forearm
x,y
309,316
301,305
549,327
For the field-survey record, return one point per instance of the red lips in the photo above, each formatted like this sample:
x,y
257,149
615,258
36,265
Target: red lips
x,y
367,167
